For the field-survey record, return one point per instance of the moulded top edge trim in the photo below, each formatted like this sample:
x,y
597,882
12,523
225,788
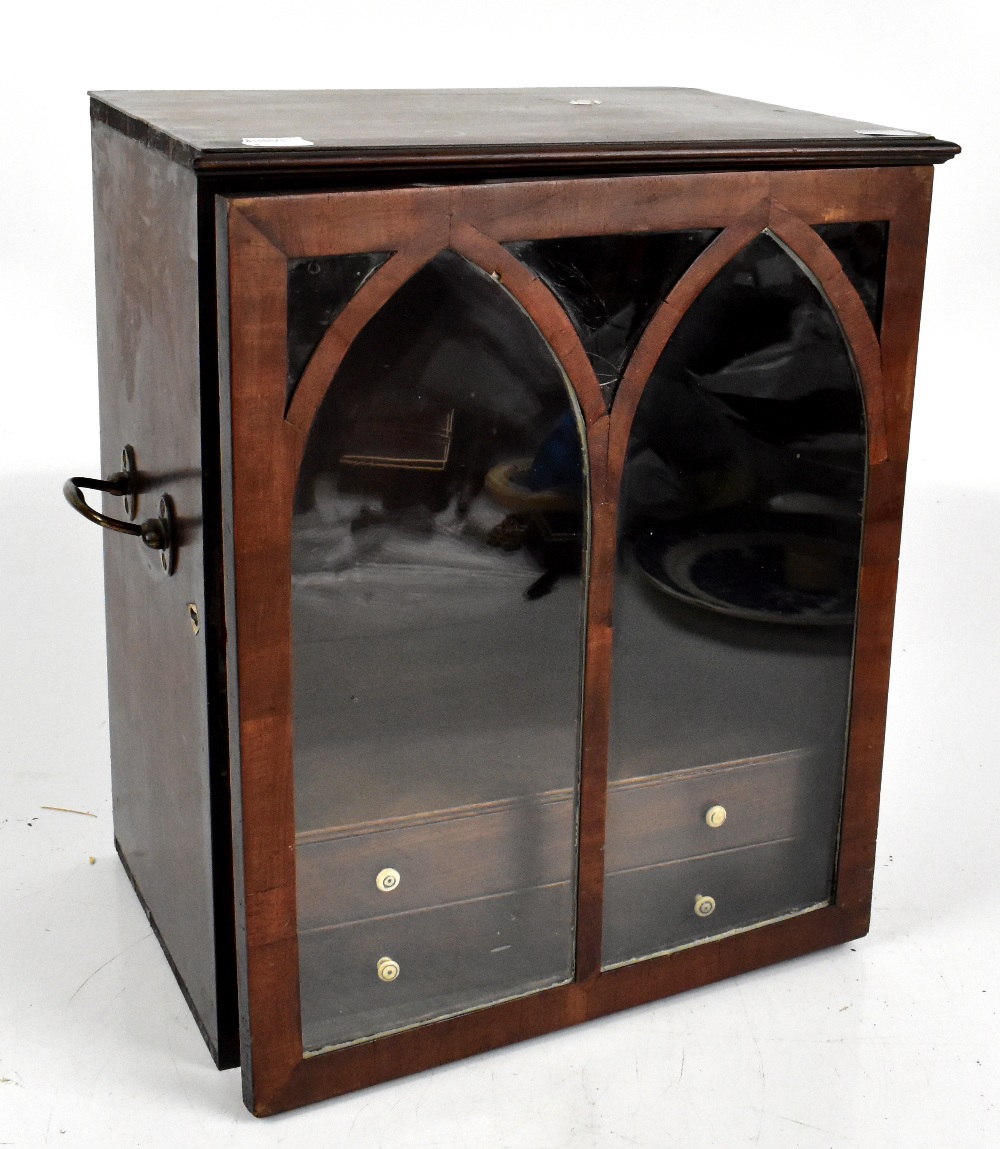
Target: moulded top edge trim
x,y
715,133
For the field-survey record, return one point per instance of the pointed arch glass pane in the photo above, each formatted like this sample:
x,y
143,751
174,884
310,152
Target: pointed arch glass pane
x,y
319,288
861,250
437,599
610,285
736,580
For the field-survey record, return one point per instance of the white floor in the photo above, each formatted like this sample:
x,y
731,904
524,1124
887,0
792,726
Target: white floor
x,y
892,1041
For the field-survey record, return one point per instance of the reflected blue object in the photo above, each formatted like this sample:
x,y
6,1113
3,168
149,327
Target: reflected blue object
x,y
558,462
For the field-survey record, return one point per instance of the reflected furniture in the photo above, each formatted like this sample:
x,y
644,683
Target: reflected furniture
x,y
517,481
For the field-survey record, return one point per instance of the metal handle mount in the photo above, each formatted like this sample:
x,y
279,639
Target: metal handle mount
x,y
158,534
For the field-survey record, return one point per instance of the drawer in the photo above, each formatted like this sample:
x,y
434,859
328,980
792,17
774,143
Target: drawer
x,y
663,818
649,910
450,959
441,858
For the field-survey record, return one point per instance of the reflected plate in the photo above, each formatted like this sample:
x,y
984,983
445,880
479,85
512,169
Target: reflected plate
x,y
503,483
793,569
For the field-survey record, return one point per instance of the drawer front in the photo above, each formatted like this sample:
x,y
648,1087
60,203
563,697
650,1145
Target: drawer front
x,y
649,910
449,959
439,860
663,818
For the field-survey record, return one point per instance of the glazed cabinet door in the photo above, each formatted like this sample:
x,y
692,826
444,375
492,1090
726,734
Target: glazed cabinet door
x,y
562,520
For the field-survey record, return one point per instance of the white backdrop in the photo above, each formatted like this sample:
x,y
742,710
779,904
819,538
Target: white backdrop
x,y
893,1040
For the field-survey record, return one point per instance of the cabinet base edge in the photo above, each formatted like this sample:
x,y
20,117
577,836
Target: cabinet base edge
x,y
226,1050
295,1082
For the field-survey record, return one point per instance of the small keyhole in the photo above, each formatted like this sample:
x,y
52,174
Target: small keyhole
x,y
193,617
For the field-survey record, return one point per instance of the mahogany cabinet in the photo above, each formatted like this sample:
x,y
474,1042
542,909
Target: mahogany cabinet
x,y
516,479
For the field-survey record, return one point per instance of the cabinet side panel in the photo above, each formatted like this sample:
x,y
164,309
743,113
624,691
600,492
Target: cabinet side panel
x,y
148,350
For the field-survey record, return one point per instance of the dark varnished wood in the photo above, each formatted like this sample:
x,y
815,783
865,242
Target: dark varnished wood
x,y
262,233
161,159
880,548
170,789
500,129
260,473
361,220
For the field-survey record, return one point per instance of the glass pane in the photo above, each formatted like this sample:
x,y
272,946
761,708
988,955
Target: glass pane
x,y
736,578
610,285
861,248
437,597
319,288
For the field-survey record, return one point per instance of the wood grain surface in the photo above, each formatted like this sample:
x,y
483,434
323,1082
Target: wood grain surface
x,y
170,792
466,131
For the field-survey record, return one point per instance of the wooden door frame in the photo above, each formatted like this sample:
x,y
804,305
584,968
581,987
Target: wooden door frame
x,y
264,437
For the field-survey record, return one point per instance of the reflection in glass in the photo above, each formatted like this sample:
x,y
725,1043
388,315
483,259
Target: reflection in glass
x,y
319,288
861,248
437,601
610,285
738,550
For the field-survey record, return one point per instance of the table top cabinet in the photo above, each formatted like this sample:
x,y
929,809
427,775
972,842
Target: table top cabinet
x,y
517,481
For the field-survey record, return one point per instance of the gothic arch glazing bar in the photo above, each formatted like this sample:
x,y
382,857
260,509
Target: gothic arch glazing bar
x,y
819,262
545,310
660,328
370,298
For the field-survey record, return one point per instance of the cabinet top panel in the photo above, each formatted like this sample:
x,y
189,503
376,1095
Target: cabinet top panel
x,y
499,130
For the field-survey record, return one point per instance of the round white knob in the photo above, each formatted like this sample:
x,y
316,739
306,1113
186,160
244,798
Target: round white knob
x,y
715,816
388,970
387,879
704,905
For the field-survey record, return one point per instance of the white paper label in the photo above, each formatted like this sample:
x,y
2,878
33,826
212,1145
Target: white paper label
x,y
276,142
885,132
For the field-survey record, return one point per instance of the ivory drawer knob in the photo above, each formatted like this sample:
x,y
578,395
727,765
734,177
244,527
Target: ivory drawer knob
x,y
704,905
715,816
387,879
388,970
